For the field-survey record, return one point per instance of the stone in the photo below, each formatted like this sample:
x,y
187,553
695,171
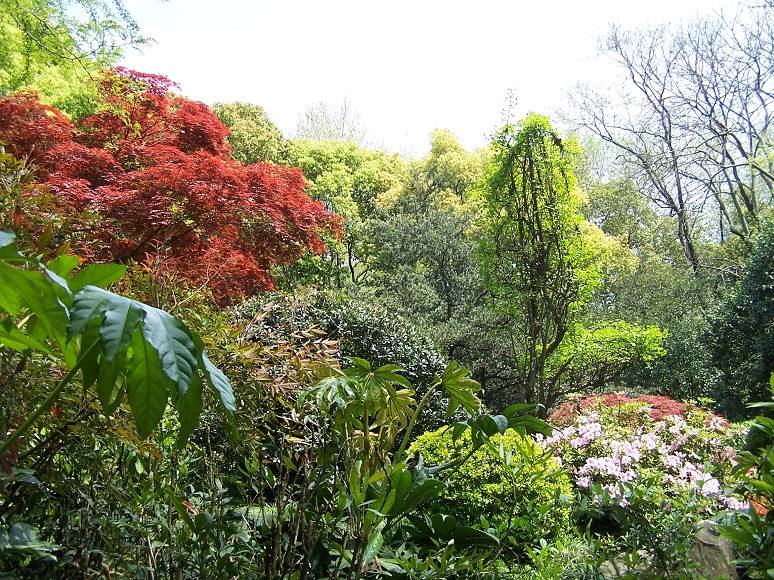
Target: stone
x,y
713,553
712,558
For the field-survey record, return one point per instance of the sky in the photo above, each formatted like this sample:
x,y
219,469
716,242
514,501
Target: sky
x,y
406,67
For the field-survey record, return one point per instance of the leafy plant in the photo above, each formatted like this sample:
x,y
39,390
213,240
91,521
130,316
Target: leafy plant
x,y
360,328
120,346
510,482
752,530
343,496
644,477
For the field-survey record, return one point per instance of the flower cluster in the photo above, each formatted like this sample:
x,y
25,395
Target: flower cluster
x,y
613,443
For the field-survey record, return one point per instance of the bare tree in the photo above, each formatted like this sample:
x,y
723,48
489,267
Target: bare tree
x,y
326,121
692,123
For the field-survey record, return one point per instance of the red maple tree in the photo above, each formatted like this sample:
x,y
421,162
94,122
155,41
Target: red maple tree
x,y
157,168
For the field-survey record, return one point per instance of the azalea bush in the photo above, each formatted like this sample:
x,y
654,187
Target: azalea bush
x,y
614,440
646,470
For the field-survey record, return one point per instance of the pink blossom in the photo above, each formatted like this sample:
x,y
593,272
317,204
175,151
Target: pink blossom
x,y
631,451
688,471
671,461
717,423
579,442
710,486
733,503
649,441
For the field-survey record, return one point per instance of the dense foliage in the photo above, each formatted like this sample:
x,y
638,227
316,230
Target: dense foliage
x,y
378,417
541,263
644,468
742,329
510,485
56,48
156,167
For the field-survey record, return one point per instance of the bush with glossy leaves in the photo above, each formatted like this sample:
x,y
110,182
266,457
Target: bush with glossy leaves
x,y
361,329
511,485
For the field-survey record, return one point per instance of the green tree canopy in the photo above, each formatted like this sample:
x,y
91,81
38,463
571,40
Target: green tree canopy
x,y
349,180
743,332
541,262
252,135
54,47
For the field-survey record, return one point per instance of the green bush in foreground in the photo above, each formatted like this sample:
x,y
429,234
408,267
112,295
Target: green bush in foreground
x,y
513,485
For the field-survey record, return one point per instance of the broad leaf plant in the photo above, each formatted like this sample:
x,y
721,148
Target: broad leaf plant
x,y
122,348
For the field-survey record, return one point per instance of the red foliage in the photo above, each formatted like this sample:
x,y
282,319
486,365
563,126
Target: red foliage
x,y
29,128
759,506
156,166
659,407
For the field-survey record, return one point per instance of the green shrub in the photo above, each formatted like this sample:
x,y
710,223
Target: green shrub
x,y
752,530
515,488
361,329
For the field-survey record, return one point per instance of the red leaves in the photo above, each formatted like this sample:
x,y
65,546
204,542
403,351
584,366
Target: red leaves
x,y
658,407
29,128
194,127
157,168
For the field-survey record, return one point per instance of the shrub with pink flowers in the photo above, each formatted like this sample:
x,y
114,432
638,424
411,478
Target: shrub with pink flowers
x,y
614,440
641,471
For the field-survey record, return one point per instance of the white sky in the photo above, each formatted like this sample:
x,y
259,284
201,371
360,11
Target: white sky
x,y
406,66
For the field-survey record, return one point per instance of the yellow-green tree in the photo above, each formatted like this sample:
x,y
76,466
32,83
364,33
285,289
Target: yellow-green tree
x,y
252,135
541,262
53,47
349,180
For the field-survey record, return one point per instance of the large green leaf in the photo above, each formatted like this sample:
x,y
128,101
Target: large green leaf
x,y
146,385
21,289
12,337
63,266
373,546
444,525
22,537
401,481
6,238
24,289
60,284
466,537
215,377
88,304
461,389
423,488
96,275
124,346
110,382
530,423
16,283
174,344
90,365
8,249
189,408
118,326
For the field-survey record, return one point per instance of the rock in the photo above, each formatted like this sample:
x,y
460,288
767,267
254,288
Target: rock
x,y
712,558
713,553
